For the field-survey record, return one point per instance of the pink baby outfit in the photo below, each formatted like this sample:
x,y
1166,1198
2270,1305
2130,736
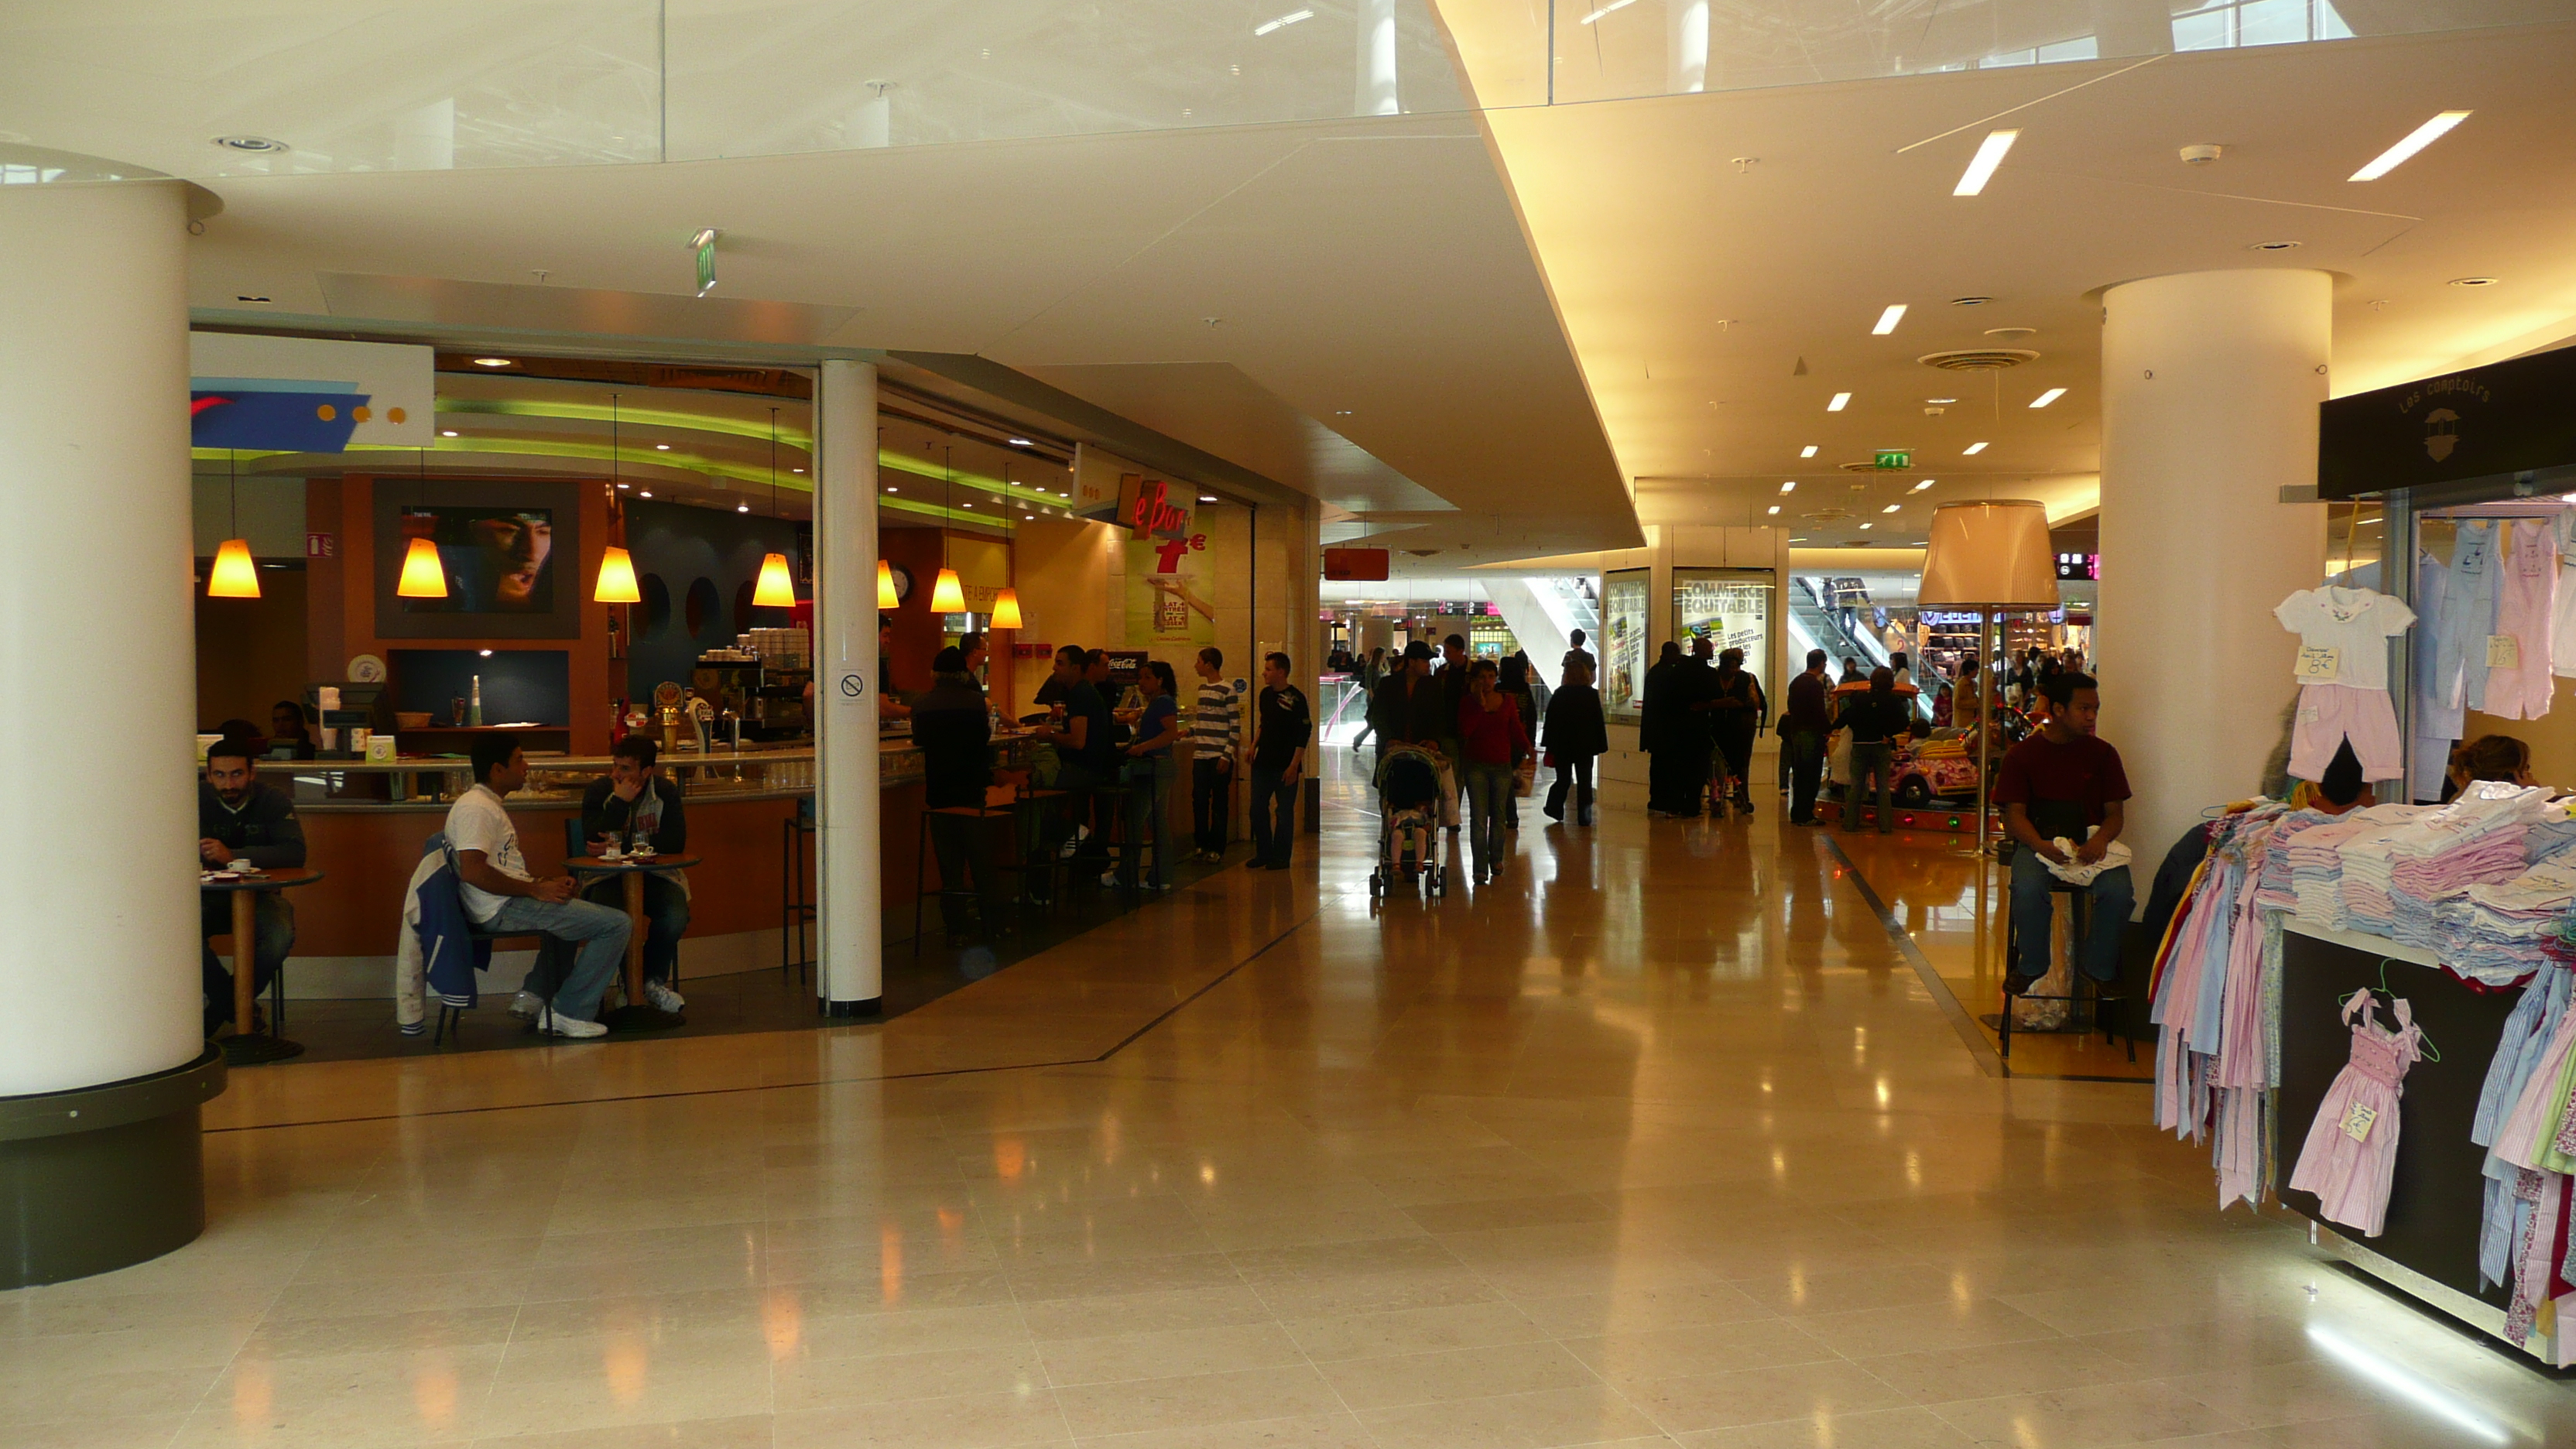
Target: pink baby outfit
x,y
2526,610
2348,1173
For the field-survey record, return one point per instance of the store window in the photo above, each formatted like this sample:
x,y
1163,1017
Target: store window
x,y
1624,624
1731,607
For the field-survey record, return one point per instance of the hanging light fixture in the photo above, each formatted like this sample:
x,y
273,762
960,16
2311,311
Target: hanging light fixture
x,y
234,575
776,590
424,576
887,598
616,584
1006,609
948,595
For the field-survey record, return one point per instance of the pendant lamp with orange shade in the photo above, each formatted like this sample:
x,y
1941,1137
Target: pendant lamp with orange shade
x,y
234,575
1006,609
948,595
777,587
424,575
887,598
617,583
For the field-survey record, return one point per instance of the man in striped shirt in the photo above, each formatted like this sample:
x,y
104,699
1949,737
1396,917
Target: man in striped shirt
x,y
1216,737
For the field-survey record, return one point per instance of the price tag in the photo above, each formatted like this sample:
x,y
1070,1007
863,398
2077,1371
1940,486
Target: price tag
x,y
2320,663
2357,1122
2503,652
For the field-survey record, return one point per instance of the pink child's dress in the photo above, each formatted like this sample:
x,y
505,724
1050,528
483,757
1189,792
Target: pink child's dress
x,y
2352,1146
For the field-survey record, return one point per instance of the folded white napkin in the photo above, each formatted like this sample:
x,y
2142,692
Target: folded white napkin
x,y
2075,872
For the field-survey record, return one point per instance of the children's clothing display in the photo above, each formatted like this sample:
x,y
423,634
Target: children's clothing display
x,y
2438,717
2469,617
2351,1153
2519,681
2562,624
2342,669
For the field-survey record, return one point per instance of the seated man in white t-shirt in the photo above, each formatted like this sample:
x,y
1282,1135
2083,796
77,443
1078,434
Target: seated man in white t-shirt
x,y
504,899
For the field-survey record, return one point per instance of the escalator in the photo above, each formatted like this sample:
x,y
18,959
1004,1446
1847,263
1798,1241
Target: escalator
x,y
1824,626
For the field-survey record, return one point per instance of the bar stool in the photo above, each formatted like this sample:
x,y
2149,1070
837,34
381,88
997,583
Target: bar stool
x,y
947,889
1032,859
2078,927
1112,840
796,909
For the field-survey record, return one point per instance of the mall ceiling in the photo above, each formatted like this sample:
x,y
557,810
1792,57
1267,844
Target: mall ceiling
x,y
1469,333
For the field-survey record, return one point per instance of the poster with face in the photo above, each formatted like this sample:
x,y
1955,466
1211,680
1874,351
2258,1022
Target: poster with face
x,y
1170,604
497,560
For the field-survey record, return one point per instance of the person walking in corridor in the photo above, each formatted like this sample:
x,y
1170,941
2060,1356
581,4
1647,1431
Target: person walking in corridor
x,y
1284,726
1809,719
1491,738
1575,736
1874,719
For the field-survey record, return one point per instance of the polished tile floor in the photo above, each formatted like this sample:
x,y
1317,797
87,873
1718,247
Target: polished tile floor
x,y
1660,1140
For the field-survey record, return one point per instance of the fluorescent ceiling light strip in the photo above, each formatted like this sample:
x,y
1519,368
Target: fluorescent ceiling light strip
x,y
1972,450
1981,167
1606,9
1789,487
2050,396
2416,140
1892,508
1926,483
1283,22
1841,400
1808,451
1888,319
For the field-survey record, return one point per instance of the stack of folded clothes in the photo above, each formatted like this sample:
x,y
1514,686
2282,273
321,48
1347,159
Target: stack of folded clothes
x,y
2393,876
2499,934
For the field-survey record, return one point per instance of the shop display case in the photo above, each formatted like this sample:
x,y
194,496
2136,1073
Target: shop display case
x,y
1624,627
1731,607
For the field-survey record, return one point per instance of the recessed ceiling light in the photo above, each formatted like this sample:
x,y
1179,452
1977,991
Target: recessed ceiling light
x,y
966,505
1341,412
247,297
1941,401
1866,527
2473,281
1970,301
1775,508
2416,140
1972,450
2273,246
2050,396
1981,167
1797,540
795,470
1841,400
625,485
1808,451
447,432
1207,498
1893,508
255,144
890,488
1789,487
1019,442
742,508
1926,483
661,447
491,362
1888,319
644,493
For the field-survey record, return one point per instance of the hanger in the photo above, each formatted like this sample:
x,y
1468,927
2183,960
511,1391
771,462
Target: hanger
x,y
2431,1053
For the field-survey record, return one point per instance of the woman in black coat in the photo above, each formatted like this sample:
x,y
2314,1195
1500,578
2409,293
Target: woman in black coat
x,y
1575,735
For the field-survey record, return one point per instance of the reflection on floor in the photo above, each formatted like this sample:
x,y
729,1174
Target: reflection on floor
x,y
762,1001
1659,1140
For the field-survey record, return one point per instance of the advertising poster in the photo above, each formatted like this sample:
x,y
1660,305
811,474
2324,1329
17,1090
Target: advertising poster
x,y
1732,607
1623,642
1171,607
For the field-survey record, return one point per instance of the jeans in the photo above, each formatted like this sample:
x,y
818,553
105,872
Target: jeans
x,y
964,849
666,917
598,931
1488,788
1211,803
272,937
1149,816
1806,758
1274,816
1576,773
1871,759
2098,954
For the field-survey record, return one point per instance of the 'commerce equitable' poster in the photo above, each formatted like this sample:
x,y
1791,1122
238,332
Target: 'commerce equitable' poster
x,y
1170,606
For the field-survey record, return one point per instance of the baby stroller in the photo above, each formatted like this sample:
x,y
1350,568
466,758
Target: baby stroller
x,y
1410,787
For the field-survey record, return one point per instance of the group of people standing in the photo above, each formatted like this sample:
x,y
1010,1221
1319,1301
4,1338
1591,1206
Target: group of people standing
x,y
1699,709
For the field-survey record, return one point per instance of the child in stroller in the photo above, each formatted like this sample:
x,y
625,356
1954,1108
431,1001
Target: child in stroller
x,y
1410,789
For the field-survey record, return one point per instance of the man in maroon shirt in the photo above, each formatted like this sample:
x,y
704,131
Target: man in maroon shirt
x,y
1809,720
2062,783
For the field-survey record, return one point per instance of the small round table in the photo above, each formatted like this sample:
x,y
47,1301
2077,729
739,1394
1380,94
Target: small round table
x,y
637,1014
246,1046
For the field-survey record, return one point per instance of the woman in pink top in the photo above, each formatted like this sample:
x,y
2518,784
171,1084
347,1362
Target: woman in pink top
x,y
1492,738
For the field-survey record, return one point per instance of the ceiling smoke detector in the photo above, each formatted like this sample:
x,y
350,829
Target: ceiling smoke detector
x,y
1970,301
2201,155
258,145
2012,334
1978,359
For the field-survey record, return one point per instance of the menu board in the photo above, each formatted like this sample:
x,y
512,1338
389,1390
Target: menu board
x,y
1730,606
1624,623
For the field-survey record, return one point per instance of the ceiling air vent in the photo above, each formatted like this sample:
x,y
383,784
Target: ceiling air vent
x,y
1978,359
1827,515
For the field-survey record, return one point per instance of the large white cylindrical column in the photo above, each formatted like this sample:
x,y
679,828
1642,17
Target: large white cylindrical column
x,y
849,861
2210,387
98,825
1685,46
1374,92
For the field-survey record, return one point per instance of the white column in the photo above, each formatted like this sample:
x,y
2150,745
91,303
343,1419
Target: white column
x,y
1375,92
425,137
2210,387
849,863
1685,46
98,824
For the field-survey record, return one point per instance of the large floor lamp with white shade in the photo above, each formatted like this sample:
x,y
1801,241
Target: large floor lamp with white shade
x,y
1993,557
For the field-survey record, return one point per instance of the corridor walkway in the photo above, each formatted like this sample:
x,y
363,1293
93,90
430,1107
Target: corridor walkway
x,y
1661,1140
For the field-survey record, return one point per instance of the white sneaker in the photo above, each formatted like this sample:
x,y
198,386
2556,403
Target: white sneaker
x,y
663,997
557,1024
526,1005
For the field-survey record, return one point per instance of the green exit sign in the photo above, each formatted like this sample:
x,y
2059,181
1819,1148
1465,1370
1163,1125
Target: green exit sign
x,y
1891,458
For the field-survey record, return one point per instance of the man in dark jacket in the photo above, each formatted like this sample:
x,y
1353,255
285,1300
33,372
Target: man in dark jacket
x,y
954,730
1575,735
1663,724
238,818
638,807
1875,720
1734,719
1453,686
1406,707
1809,720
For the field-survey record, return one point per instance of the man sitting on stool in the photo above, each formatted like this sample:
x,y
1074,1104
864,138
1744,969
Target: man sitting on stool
x,y
504,900
637,805
238,818
2057,783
